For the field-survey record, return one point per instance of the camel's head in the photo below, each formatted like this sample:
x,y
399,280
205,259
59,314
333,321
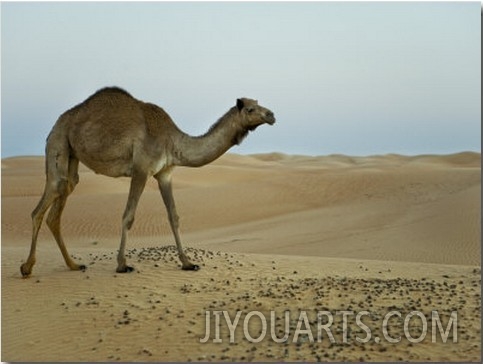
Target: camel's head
x,y
254,115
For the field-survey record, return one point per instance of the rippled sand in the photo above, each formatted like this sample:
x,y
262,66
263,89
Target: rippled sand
x,y
271,232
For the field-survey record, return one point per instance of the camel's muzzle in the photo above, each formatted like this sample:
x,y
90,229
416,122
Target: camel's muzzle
x,y
270,118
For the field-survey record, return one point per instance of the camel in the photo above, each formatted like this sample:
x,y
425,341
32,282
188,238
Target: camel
x,y
116,135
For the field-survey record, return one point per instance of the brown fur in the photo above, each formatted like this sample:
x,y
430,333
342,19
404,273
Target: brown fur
x,y
115,134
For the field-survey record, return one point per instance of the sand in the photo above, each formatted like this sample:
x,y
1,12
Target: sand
x,y
273,233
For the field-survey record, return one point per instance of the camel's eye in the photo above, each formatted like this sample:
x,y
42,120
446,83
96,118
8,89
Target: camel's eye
x,y
250,109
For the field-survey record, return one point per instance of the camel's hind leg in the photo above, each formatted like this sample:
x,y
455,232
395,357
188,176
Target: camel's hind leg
x,y
53,219
61,179
37,216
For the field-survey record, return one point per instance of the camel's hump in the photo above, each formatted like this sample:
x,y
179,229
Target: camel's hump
x,y
111,90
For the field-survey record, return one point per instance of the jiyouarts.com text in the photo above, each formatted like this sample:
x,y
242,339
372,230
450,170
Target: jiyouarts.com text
x,y
336,326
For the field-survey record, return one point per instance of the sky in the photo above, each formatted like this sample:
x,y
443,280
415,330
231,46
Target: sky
x,y
341,78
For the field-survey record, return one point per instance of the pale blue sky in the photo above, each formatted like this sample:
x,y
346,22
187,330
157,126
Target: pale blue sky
x,y
352,78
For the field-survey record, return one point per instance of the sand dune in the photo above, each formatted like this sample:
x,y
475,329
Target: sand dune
x,y
272,232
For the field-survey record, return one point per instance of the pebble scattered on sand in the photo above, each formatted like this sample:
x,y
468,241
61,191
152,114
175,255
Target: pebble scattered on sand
x,y
292,291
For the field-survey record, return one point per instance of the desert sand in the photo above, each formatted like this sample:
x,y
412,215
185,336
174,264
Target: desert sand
x,y
271,232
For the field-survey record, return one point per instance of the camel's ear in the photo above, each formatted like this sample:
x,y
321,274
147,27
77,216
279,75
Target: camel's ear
x,y
239,104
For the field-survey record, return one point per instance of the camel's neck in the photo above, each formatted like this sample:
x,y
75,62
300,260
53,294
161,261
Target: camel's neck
x,y
201,150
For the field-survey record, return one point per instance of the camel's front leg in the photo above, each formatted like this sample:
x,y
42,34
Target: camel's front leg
x,y
138,181
164,182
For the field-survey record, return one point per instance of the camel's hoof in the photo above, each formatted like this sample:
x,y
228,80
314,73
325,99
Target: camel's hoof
x,y
126,269
191,267
77,267
26,272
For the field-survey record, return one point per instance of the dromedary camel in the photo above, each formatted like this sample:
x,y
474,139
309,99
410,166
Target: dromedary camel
x,y
117,135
